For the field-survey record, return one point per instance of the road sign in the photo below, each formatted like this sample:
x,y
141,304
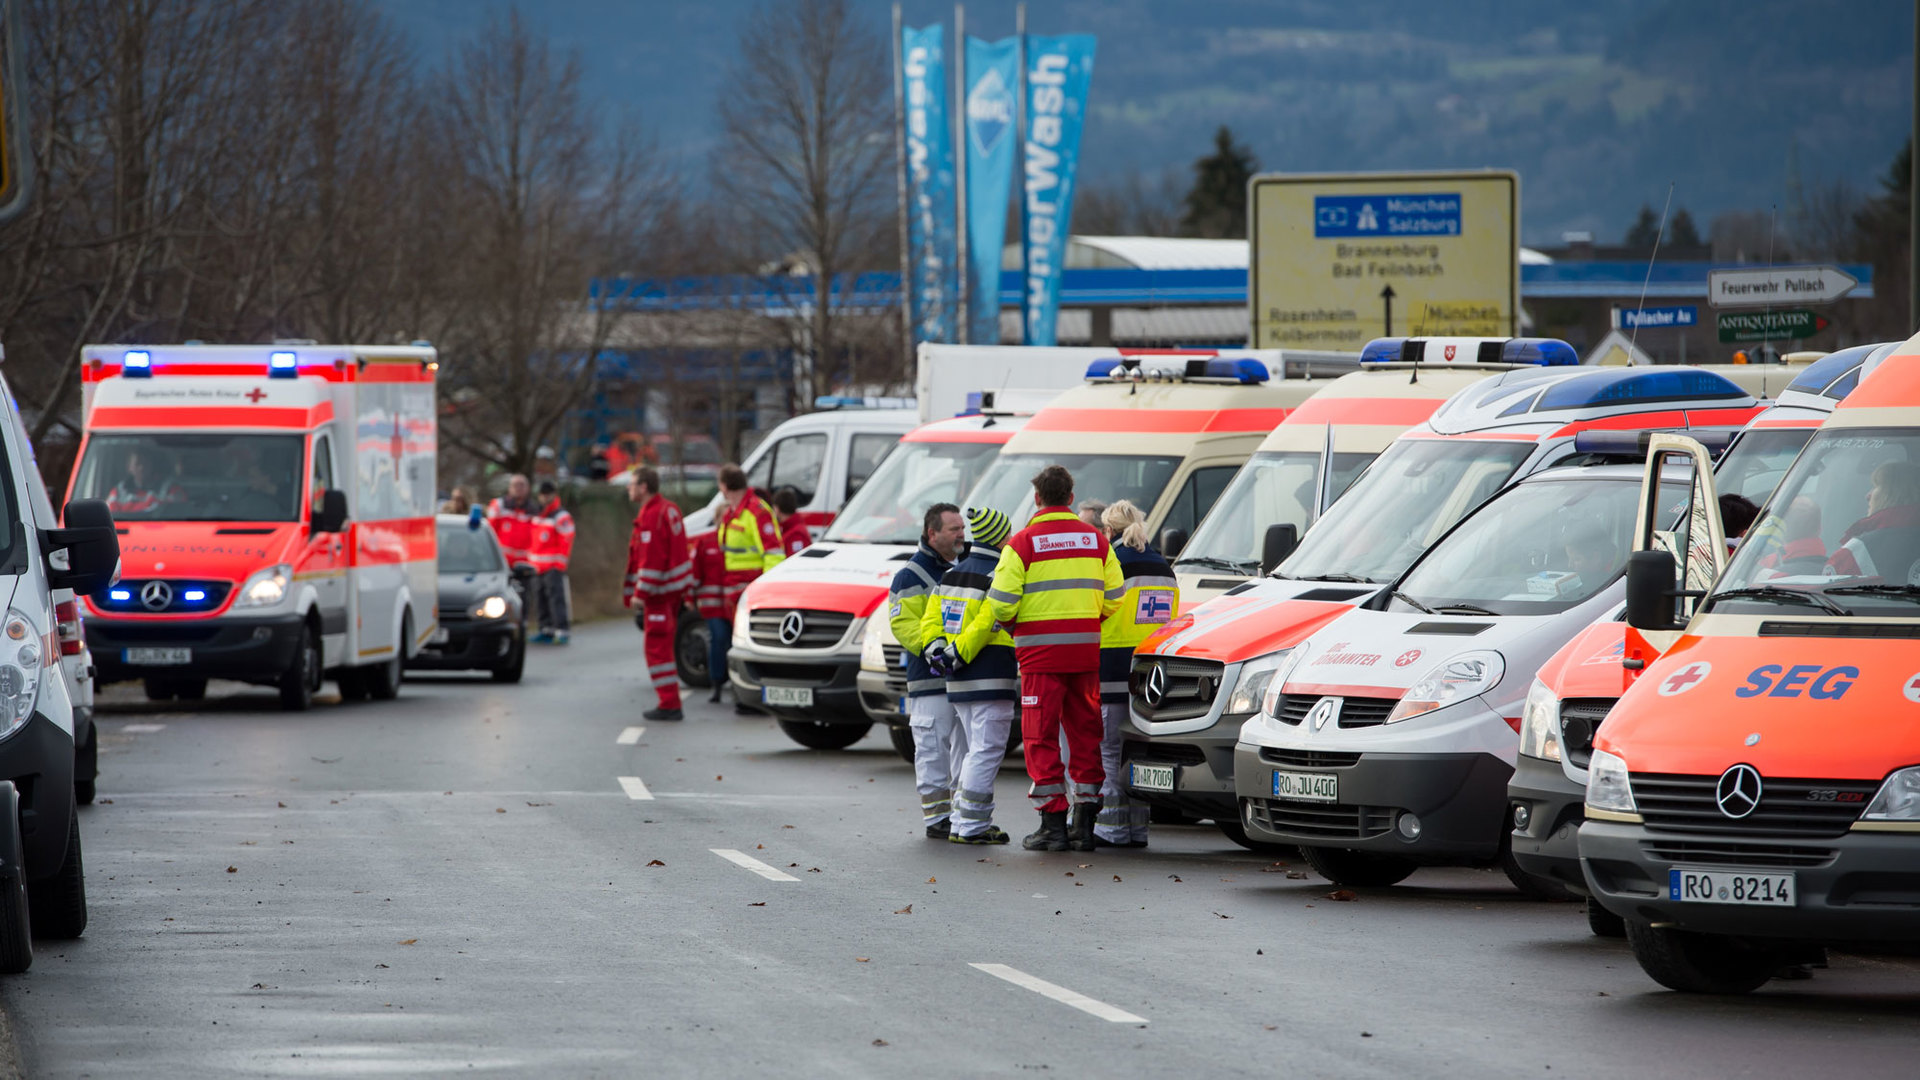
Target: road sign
x,y
1778,285
1343,258
1771,325
1653,318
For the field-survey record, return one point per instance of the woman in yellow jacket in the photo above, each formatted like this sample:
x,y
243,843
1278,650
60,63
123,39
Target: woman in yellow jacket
x,y
1152,596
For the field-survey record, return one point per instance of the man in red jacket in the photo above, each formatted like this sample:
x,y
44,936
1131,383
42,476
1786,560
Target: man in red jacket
x,y
549,548
512,519
659,572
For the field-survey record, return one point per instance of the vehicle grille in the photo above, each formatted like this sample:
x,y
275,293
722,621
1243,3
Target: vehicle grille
x,y
816,675
1161,753
896,657
819,629
1687,804
176,590
1579,719
1732,853
1355,712
1308,759
1322,821
1192,685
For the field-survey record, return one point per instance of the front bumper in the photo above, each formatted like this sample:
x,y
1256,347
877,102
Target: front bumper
x,y
470,644
255,649
1549,846
38,758
1460,801
1203,769
832,678
880,695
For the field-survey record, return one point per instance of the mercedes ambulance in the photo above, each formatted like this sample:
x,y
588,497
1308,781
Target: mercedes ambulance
x,y
1579,685
276,514
1756,793
1196,681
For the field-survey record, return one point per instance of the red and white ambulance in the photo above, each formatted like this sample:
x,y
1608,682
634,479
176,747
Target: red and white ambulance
x,y
276,511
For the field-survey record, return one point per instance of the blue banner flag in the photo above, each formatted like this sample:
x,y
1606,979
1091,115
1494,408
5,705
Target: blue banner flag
x,y
992,79
932,240
1058,71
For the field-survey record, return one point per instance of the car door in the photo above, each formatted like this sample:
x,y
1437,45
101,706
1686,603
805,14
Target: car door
x,y
323,562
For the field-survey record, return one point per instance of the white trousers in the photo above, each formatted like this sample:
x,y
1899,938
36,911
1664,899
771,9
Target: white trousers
x,y
989,724
1120,820
939,742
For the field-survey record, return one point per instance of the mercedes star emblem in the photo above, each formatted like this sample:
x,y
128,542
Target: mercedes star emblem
x,y
1154,693
1738,792
791,627
156,595
1323,712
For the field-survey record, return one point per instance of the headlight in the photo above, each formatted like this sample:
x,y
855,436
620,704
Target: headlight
x,y
1276,684
1540,724
20,660
1250,690
1607,784
740,618
493,607
1464,676
265,587
1898,799
873,653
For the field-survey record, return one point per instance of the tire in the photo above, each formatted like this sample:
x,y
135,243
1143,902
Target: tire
x,y
1237,833
157,689
16,932
302,676
383,680
86,767
1697,963
190,689
1530,886
1604,923
516,664
690,652
902,737
1344,867
58,905
353,687
818,736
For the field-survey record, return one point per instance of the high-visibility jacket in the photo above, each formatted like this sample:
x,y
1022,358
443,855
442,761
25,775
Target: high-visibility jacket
x,y
512,521
658,562
1055,581
958,611
749,538
1152,596
551,541
713,597
794,536
906,608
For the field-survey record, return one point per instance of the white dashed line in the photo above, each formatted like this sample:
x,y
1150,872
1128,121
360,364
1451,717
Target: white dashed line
x,y
634,788
141,729
1060,994
630,736
742,859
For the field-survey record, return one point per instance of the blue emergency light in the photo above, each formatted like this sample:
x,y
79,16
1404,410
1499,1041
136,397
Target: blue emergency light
x,y
1101,369
1545,352
121,595
283,365
1539,352
1245,370
1715,440
1826,374
1620,386
137,364
194,595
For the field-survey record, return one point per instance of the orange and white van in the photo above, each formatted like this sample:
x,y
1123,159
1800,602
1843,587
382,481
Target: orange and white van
x,y
1755,794
276,511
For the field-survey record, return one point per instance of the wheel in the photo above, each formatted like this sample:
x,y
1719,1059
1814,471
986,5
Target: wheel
x,y
515,665
1604,923
16,933
902,737
353,687
817,736
1702,963
690,652
1343,867
58,905
1237,833
190,689
86,766
1530,885
157,689
302,676
383,680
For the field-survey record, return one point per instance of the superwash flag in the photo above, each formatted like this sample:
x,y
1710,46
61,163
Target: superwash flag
x,y
1058,71
931,237
992,80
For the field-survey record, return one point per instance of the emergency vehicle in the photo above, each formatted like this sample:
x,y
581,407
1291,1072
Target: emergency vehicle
x,y
276,512
1577,687
1196,681
1754,795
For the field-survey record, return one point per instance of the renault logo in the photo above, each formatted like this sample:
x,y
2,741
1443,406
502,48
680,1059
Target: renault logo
x,y
1154,693
1738,792
1323,712
791,627
156,595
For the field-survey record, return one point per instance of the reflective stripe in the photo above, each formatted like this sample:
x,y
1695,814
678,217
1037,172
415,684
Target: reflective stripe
x,y
921,573
1091,790
658,669
1110,815
967,686
1065,583
984,797
968,813
948,592
1000,597
1153,581
912,590
926,684
1031,640
1040,790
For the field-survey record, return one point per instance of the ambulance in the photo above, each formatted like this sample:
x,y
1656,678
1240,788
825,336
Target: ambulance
x,y
1196,681
276,514
1579,685
1756,793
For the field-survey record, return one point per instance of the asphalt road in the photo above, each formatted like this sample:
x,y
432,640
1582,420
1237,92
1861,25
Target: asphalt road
x,y
461,882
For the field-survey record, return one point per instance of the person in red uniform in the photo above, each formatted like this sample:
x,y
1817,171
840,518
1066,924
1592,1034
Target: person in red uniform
x,y
794,535
512,519
711,603
549,548
659,573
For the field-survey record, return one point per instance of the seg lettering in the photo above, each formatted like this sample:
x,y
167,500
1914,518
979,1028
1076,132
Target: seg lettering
x,y
1821,684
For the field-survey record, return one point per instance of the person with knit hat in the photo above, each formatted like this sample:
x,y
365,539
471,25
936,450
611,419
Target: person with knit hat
x,y
975,654
1152,597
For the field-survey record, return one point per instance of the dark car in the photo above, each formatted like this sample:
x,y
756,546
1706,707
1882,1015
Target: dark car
x,y
482,616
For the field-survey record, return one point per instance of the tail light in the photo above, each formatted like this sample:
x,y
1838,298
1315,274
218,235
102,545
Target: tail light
x,y
66,625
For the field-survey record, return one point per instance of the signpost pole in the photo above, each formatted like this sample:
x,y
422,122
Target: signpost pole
x,y
1913,189
900,185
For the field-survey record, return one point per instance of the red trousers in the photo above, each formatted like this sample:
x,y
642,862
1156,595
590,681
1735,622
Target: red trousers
x,y
658,616
1049,702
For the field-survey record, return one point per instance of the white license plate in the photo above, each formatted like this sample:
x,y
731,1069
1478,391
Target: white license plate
x,y
439,636
157,656
1306,786
1153,777
799,697
1763,888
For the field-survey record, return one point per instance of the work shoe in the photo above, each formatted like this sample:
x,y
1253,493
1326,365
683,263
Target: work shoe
x,y
715,696
663,714
559,637
544,637
994,834
1051,835
1080,833
940,830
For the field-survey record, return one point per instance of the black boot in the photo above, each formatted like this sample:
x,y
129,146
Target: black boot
x,y
1080,833
663,713
1052,834
718,685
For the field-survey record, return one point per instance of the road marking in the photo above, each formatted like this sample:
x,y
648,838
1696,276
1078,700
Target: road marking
x,y
742,859
634,788
630,736
1060,994
142,729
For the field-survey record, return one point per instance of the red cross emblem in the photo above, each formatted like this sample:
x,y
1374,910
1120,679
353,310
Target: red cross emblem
x,y
1406,658
1912,689
1450,351
254,395
1685,678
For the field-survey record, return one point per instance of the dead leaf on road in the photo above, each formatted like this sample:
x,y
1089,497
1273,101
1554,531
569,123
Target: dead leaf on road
x,y
499,809
283,806
1175,877
930,881
814,870
758,903
539,804
859,959
411,941
1218,915
233,869
1116,877
759,847
881,1042
1296,875
249,843
379,965
656,862
1343,895
908,910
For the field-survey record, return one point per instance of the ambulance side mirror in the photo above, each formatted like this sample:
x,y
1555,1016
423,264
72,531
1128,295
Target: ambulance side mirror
x,y
1277,544
1650,591
84,555
332,515
1171,541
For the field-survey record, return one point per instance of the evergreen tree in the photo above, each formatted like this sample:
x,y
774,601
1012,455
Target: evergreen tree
x,y
1645,231
1682,233
1216,205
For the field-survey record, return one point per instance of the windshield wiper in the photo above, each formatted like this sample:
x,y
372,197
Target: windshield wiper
x,y
1897,592
1235,566
1354,578
1464,609
1776,592
1398,595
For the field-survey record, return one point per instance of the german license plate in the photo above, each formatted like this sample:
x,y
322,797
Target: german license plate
x,y
798,697
1152,777
157,656
439,636
1306,786
1763,888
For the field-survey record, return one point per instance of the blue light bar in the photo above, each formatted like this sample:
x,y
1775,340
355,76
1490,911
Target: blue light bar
x,y
195,595
1829,369
1635,442
283,365
1101,369
1545,352
1620,386
137,364
1384,350
1244,370
122,595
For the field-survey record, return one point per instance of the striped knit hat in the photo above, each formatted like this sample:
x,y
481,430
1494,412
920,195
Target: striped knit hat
x,y
987,526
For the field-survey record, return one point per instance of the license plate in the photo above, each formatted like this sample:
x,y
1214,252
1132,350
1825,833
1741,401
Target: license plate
x,y
799,697
1764,888
439,636
1153,777
157,656
1306,786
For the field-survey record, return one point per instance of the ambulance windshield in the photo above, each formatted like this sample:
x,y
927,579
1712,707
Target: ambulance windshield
x,y
1272,488
1402,503
1108,478
889,507
1753,468
204,476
